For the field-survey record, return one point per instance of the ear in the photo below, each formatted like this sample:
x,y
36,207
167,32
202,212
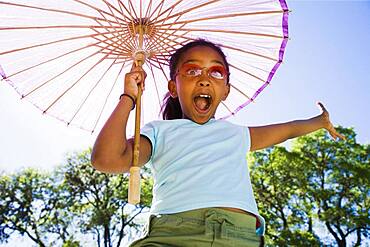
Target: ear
x,y
227,91
172,88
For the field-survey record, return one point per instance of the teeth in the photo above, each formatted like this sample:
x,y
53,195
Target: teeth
x,y
205,96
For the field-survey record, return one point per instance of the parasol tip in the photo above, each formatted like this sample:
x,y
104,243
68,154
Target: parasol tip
x,y
2,73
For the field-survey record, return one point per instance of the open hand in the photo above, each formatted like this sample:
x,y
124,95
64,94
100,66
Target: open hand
x,y
327,123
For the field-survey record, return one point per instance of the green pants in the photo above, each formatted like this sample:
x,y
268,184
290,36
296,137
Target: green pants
x,y
202,227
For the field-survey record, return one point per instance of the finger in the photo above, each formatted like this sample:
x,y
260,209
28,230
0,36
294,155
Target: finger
x,y
133,76
322,106
141,71
341,136
133,66
140,79
335,135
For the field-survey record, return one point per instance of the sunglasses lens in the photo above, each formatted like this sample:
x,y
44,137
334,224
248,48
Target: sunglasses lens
x,y
191,70
217,72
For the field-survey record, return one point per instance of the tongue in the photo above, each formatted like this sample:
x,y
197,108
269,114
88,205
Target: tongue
x,y
201,103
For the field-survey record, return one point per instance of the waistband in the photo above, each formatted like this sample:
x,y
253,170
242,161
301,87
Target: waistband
x,y
203,214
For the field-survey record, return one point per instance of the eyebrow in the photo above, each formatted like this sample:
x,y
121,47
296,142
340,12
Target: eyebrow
x,y
195,60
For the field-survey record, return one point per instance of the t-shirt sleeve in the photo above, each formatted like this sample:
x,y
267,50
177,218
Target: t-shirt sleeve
x,y
149,131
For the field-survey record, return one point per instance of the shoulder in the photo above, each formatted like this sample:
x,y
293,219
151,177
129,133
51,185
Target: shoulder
x,y
229,125
161,127
225,126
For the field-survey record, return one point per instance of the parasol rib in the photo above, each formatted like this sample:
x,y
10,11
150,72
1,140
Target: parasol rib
x,y
110,6
225,31
220,17
149,8
131,7
114,44
149,45
91,90
162,44
108,95
186,11
155,59
226,46
53,10
168,38
165,11
248,73
159,8
141,11
51,43
114,16
227,108
56,26
164,60
127,10
249,52
55,58
44,83
103,11
114,33
238,90
74,84
161,68
155,84
158,37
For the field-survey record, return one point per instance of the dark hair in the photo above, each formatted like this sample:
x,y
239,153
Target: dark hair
x,y
171,108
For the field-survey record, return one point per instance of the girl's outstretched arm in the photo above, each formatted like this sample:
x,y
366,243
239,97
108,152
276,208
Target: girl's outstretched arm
x,y
112,151
266,136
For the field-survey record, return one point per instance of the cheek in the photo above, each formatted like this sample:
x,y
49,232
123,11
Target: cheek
x,y
182,88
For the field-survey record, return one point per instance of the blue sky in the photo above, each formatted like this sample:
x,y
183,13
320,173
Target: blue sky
x,y
327,60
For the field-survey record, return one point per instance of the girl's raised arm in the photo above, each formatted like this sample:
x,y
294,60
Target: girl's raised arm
x,y
112,151
266,136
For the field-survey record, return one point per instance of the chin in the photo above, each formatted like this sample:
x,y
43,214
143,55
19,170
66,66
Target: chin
x,y
202,120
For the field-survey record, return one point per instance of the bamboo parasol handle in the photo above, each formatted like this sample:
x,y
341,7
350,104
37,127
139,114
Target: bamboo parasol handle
x,y
134,180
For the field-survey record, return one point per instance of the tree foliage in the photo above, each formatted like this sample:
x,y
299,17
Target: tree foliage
x,y
29,205
320,182
74,199
100,200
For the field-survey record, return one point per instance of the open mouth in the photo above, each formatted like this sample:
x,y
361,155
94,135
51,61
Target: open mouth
x,y
203,102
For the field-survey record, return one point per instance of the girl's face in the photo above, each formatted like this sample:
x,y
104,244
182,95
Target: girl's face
x,y
200,83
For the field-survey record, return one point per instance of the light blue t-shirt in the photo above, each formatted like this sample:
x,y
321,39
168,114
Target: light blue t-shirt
x,y
199,166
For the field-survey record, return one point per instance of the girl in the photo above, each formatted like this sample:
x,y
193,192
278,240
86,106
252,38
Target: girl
x,y
202,194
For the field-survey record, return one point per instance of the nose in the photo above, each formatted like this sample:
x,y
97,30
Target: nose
x,y
204,83
204,79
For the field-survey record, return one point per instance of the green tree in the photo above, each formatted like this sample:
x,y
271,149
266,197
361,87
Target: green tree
x,y
275,175
319,180
30,206
338,183
72,200
100,200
